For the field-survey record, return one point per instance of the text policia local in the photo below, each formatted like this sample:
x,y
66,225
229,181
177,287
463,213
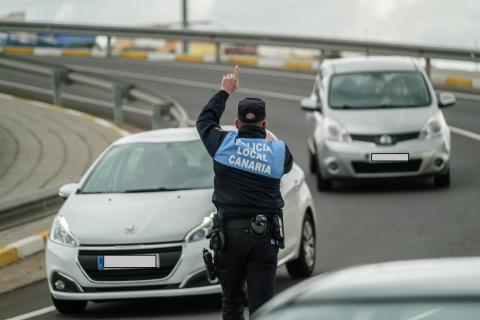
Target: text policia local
x,y
256,154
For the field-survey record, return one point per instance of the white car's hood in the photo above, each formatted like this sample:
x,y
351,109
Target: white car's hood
x,y
382,121
155,217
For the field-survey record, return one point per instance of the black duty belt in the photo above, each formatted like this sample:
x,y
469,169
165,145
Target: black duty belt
x,y
240,224
237,224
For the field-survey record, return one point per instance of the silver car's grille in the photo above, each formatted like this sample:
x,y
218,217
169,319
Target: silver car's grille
x,y
388,167
169,257
394,138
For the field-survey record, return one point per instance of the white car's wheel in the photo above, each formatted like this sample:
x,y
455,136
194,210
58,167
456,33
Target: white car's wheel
x,y
304,265
69,306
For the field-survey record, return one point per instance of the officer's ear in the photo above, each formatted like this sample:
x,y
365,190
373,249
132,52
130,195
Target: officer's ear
x,y
264,124
237,123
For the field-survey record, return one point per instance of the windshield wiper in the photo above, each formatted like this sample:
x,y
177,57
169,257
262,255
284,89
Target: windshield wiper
x,y
92,192
343,106
154,190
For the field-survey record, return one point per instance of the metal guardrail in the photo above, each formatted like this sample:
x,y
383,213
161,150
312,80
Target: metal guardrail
x,y
29,207
322,44
163,105
47,202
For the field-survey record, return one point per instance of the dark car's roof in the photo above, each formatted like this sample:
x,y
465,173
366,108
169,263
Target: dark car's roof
x,y
415,279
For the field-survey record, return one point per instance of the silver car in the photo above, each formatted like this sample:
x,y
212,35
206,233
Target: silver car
x,y
376,117
135,225
433,289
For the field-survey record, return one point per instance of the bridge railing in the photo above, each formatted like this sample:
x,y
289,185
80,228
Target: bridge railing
x,y
322,44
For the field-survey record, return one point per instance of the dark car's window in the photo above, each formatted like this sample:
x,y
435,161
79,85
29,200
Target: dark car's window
x,y
152,166
378,90
380,311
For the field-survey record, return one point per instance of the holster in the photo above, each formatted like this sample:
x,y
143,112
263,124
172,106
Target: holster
x,y
217,234
278,232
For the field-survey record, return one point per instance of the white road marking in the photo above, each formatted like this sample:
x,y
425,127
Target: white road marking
x,y
223,68
190,83
32,314
466,96
465,133
425,314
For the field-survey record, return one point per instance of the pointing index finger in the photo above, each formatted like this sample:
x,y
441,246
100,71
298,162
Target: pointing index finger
x,y
235,72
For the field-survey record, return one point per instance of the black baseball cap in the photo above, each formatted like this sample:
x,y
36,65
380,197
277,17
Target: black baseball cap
x,y
251,110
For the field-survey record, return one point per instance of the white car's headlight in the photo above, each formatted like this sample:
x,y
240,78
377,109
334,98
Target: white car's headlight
x,y
200,231
335,131
61,233
433,127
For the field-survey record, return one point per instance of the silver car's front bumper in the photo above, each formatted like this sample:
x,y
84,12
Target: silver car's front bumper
x,y
337,159
63,260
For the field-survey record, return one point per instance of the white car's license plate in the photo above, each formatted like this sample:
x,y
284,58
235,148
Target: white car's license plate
x,y
388,157
128,262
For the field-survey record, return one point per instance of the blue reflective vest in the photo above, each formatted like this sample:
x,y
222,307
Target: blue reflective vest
x,y
257,156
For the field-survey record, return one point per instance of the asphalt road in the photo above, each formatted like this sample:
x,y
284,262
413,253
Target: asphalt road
x,y
359,222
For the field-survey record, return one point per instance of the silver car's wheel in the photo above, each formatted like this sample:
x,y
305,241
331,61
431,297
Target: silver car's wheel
x,y
304,265
313,162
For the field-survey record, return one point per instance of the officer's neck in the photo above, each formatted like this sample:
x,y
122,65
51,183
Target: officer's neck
x,y
252,131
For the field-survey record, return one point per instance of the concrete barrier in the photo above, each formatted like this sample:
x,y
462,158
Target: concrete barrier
x,y
23,248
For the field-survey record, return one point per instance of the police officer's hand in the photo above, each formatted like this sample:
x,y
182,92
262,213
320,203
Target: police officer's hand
x,y
230,81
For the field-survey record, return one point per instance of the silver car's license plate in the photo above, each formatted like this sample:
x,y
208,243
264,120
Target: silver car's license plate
x,y
128,261
389,157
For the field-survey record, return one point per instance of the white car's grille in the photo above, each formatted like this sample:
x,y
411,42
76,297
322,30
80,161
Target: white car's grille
x,y
169,257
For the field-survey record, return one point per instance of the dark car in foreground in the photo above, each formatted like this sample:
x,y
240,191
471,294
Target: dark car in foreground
x,y
434,289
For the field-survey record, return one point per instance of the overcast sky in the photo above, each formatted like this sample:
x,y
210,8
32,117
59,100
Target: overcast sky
x,y
453,23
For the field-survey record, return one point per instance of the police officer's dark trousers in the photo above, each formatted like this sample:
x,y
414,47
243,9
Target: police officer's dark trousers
x,y
247,258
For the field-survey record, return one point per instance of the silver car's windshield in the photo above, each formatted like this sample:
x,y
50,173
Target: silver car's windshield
x,y
147,167
380,311
378,90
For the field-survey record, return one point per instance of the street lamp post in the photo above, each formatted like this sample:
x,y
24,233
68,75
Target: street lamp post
x,y
184,24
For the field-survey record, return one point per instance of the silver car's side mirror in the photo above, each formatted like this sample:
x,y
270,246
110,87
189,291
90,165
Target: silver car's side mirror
x,y
67,189
310,104
446,99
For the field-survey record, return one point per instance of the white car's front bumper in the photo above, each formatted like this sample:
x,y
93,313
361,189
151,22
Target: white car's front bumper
x,y
186,278
351,160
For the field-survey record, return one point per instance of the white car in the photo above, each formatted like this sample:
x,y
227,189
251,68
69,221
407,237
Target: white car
x,y
135,225
376,117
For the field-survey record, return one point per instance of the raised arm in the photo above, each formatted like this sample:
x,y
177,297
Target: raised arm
x,y
208,122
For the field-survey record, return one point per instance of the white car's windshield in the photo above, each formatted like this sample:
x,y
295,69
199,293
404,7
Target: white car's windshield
x,y
380,311
378,90
145,167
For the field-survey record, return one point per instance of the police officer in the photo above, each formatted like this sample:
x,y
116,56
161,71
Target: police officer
x,y
248,166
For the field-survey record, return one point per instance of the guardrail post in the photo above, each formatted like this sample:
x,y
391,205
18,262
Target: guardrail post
x,y
428,67
160,111
109,46
59,76
321,57
217,52
119,93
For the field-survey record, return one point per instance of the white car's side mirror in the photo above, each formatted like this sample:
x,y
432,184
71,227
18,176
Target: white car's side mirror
x,y
67,189
446,99
310,104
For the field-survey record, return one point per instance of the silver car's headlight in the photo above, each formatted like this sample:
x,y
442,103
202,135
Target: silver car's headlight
x,y
61,233
335,131
200,231
433,127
